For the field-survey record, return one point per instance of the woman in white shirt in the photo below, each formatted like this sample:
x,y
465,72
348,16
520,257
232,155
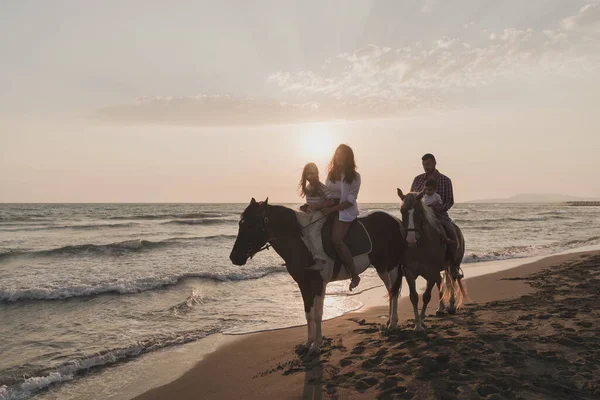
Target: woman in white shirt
x,y
343,181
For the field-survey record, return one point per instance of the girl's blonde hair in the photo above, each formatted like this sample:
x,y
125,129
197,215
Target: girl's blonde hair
x,y
302,187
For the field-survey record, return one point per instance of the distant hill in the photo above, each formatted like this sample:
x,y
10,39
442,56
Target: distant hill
x,y
536,198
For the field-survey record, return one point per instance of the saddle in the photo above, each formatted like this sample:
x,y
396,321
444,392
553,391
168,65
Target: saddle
x,y
357,239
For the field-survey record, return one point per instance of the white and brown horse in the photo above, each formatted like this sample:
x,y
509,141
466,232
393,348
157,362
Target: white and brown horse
x,y
426,255
262,224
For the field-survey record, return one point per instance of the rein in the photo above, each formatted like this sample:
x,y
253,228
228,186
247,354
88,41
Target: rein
x,y
265,247
315,221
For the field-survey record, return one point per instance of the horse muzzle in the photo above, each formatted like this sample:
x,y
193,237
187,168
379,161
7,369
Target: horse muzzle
x,y
411,238
238,260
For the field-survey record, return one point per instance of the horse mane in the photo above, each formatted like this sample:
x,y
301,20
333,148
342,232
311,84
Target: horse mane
x,y
283,221
425,212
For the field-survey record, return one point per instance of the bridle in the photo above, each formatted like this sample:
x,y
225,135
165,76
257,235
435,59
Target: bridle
x,y
416,230
265,219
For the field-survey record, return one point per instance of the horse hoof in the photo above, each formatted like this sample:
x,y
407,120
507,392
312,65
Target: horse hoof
x,y
314,350
440,313
451,311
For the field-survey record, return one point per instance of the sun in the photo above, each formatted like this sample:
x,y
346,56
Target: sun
x,y
319,143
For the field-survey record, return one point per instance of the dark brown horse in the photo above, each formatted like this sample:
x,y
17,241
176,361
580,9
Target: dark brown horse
x,y
283,229
426,255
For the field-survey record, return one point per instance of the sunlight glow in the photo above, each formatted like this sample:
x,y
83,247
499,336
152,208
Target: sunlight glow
x,y
319,143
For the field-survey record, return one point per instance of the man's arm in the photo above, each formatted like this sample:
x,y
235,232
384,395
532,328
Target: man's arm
x,y
448,198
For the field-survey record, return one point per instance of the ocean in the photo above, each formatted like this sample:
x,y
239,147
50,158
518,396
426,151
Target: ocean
x,y
87,286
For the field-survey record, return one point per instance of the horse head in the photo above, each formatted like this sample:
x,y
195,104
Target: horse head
x,y
413,216
252,233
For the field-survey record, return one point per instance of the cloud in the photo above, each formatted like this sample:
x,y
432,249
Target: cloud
x,y
204,110
449,64
588,18
375,81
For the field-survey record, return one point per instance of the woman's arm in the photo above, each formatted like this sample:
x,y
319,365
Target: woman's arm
x,y
353,190
351,198
339,207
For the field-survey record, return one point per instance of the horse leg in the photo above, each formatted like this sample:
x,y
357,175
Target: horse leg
x,y
309,307
414,299
315,348
441,306
393,287
310,324
396,279
426,299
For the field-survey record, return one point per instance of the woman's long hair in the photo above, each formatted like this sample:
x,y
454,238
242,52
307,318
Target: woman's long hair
x,y
302,187
349,167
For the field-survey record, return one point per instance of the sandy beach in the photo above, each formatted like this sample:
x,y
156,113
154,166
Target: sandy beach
x,y
530,332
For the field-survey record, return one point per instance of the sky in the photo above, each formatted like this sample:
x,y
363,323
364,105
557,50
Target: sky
x,y
181,101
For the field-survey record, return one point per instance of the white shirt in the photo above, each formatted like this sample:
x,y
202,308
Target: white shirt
x,y
347,192
434,198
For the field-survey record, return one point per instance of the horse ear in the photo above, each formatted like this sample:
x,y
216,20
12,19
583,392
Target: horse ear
x,y
264,204
400,194
253,201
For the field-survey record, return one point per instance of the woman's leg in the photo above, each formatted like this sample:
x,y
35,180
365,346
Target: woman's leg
x,y
340,229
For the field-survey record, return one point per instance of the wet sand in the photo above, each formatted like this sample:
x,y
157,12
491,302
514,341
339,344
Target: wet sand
x,y
531,332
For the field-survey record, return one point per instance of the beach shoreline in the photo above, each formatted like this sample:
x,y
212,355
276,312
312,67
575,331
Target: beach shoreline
x,y
259,364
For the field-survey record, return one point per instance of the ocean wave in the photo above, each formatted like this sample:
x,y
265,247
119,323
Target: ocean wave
x,y
86,249
530,251
43,379
206,214
501,222
203,221
188,304
24,218
558,213
116,248
75,227
128,286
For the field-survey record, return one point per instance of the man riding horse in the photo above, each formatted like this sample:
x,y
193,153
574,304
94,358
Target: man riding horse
x,y
444,189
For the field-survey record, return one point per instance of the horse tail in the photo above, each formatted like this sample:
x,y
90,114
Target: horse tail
x,y
448,289
460,288
453,288
463,295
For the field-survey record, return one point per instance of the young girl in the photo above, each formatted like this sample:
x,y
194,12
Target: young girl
x,y
317,197
317,194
